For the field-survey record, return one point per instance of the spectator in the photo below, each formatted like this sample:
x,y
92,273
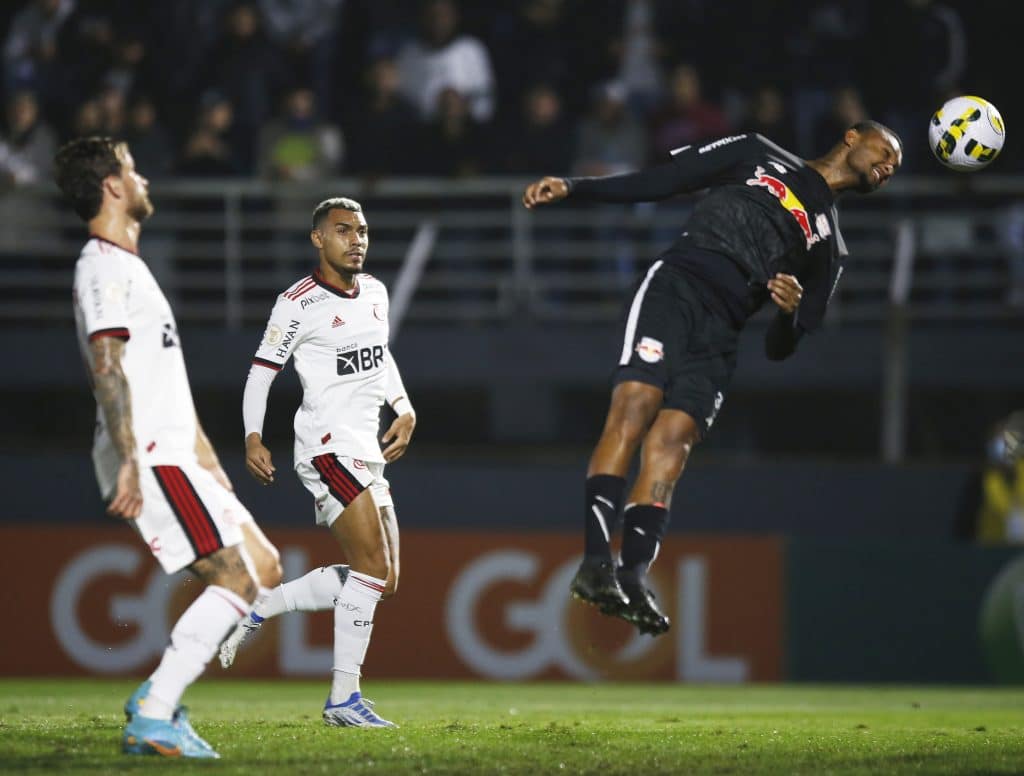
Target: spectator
x,y
543,28
541,137
384,137
991,509
113,111
610,139
30,49
247,69
210,151
926,58
441,58
305,30
768,115
640,69
827,50
88,118
847,109
686,117
150,142
454,140
28,145
298,145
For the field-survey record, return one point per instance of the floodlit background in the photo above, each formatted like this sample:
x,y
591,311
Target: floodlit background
x,y
831,527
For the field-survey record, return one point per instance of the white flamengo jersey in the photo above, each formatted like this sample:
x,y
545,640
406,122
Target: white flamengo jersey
x,y
339,340
115,295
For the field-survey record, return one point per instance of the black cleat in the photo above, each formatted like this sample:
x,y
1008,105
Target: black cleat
x,y
641,610
595,583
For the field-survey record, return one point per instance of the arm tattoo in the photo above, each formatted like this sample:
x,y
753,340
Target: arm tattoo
x,y
661,492
113,394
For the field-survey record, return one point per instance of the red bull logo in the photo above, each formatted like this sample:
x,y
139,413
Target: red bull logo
x,y
789,200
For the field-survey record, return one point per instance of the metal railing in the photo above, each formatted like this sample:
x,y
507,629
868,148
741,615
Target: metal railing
x,y
222,250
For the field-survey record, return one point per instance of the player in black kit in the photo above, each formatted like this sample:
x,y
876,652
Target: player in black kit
x,y
766,229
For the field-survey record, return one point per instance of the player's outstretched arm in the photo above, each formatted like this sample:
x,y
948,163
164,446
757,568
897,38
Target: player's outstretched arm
x,y
113,395
545,191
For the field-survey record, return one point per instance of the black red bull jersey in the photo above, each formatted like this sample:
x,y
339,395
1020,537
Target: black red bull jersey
x,y
765,211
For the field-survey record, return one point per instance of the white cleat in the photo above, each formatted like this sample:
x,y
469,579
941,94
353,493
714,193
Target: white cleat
x,y
249,624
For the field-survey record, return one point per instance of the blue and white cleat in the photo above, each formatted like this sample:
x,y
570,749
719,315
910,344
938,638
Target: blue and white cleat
x,y
357,711
135,700
193,744
189,741
143,735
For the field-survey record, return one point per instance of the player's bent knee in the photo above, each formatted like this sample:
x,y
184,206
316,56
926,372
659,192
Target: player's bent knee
x,y
391,586
227,568
271,573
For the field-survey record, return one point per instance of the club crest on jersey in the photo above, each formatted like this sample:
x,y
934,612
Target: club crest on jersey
x,y
650,350
792,203
378,312
354,360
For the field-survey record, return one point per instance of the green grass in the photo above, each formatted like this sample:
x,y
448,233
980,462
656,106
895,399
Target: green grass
x,y
74,726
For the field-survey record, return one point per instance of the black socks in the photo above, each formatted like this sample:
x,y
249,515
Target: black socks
x,y
603,502
642,535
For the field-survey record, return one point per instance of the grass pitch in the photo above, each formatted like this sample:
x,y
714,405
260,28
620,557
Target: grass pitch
x,y
74,726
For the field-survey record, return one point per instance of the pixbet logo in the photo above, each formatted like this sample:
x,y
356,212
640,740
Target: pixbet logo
x,y
546,619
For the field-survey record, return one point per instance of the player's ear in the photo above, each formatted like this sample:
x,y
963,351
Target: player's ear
x,y
316,238
850,138
114,186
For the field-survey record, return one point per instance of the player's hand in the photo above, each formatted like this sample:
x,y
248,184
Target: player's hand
x,y
786,292
545,191
127,501
401,432
257,459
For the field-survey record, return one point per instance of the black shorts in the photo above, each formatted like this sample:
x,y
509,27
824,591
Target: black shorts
x,y
674,342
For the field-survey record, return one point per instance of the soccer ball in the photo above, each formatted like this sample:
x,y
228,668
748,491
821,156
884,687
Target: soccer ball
x,y
966,133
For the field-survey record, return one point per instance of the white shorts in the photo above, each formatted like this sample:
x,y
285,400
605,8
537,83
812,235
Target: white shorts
x,y
187,514
336,480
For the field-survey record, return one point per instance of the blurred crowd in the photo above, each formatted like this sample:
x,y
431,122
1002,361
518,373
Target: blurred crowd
x,y
313,89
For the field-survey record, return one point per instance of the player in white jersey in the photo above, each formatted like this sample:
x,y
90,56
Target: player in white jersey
x,y
154,464
335,325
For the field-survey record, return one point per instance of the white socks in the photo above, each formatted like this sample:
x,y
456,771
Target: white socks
x,y
353,622
194,642
317,590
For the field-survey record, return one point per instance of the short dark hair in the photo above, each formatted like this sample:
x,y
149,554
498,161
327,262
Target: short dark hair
x,y
868,125
325,207
80,167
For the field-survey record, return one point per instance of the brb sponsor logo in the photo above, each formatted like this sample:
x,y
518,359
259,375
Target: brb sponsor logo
x,y
353,359
547,634
792,203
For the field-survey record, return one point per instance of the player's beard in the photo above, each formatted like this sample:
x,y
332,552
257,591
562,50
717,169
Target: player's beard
x,y
141,208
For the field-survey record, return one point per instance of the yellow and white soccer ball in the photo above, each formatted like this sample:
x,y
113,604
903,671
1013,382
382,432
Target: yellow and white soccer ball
x,y
966,133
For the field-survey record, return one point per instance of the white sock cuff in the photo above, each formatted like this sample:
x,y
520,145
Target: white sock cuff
x,y
236,601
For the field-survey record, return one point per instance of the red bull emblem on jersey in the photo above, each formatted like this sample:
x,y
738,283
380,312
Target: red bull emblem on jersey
x,y
792,203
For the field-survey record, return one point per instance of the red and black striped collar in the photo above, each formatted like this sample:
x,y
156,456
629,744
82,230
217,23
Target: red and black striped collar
x,y
351,294
116,245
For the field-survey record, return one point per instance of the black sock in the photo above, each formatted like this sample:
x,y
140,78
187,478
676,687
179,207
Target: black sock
x,y
603,501
641,536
